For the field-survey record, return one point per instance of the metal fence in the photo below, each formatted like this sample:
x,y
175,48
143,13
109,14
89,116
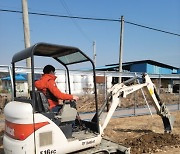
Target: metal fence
x,y
163,84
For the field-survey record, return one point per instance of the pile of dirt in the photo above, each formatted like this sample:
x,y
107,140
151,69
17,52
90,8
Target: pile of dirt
x,y
86,103
152,142
145,134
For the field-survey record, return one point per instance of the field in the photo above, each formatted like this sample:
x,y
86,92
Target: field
x,y
144,134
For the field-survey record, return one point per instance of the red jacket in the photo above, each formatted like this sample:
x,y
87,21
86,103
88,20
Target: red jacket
x,y
47,81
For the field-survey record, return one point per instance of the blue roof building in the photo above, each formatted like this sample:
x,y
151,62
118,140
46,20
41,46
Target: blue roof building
x,y
18,77
148,66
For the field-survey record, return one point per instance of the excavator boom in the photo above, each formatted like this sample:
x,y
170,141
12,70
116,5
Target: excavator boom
x,y
123,89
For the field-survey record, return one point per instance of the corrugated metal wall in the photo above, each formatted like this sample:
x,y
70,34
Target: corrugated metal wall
x,y
150,69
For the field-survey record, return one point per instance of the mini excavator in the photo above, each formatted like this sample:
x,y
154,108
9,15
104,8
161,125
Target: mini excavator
x,y
31,128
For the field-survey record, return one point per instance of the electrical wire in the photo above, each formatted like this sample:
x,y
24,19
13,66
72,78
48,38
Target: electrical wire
x,y
61,16
89,18
155,29
75,21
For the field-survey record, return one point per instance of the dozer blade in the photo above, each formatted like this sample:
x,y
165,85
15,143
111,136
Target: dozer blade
x,y
106,146
168,122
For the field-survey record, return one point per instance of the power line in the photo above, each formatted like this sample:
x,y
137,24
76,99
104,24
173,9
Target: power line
x,y
75,21
61,16
89,18
151,28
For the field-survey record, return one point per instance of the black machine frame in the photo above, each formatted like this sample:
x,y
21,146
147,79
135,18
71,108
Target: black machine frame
x,y
57,52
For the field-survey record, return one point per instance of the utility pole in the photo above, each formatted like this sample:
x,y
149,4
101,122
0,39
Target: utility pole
x,y
27,39
121,47
94,53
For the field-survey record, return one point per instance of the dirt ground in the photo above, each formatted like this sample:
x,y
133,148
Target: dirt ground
x,y
145,134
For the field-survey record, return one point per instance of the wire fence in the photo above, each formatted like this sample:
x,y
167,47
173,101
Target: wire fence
x,y
168,87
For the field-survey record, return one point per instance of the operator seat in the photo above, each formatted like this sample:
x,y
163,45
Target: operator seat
x,y
41,102
65,119
67,113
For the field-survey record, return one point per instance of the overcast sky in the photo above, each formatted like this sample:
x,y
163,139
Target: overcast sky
x,y
139,43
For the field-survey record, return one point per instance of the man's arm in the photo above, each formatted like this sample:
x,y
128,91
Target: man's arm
x,y
51,85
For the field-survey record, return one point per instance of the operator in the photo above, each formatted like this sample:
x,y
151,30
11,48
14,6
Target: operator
x,y
47,85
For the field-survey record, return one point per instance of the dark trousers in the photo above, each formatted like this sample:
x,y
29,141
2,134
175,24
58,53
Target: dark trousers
x,y
56,108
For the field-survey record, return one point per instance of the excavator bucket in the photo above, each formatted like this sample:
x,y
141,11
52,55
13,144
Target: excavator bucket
x,y
168,122
167,118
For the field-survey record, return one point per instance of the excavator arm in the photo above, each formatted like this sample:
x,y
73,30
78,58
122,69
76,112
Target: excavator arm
x,y
161,108
125,88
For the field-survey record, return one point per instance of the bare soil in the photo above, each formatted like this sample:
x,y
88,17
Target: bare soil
x,y
86,102
145,134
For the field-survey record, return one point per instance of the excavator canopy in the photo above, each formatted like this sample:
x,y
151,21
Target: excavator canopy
x,y
64,54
